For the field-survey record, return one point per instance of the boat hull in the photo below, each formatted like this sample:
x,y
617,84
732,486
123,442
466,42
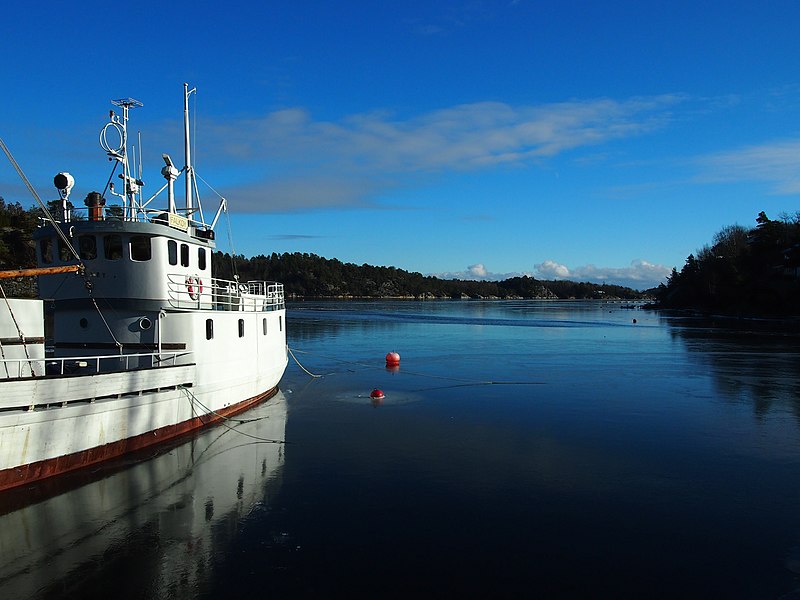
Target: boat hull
x,y
42,469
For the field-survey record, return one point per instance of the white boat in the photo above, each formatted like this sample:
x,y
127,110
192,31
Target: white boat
x,y
147,344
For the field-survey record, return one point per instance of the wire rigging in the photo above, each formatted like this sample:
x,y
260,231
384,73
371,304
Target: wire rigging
x,y
19,332
193,399
415,373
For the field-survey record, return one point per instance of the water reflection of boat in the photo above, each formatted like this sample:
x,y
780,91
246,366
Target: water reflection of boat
x,y
166,517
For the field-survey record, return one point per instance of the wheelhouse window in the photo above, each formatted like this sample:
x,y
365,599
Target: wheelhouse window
x,y
172,250
64,253
46,250
241,327
184,255
112,246
201,259
87,245
140,248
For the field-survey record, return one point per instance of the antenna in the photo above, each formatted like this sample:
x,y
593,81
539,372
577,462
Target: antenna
x,y
187,149
132,184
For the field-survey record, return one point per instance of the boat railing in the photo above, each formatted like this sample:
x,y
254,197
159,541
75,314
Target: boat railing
x,y
19,368
118,212
192,291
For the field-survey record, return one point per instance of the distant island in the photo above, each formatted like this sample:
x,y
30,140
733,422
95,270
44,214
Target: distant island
x,y
310,276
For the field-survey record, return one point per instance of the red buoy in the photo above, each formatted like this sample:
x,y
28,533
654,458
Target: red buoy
x,y
377,394
392,359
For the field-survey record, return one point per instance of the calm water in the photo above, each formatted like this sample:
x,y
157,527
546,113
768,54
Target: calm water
x,y
522,449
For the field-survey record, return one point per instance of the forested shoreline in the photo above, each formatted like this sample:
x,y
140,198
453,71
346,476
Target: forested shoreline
x,y
310,276
743,272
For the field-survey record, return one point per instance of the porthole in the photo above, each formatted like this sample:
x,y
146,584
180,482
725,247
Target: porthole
x,y
145,323
84,323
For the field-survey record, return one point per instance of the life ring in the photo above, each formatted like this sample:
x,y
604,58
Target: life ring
x,y
194,286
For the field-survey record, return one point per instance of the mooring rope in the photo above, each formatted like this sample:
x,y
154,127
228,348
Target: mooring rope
x,y
415,373
19,332
191,397
306,371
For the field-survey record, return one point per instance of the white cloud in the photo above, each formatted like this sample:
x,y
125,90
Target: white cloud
x,y
552,270
349,161
478,271
640,275
775,164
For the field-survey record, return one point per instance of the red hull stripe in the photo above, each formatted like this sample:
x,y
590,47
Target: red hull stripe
x,y
17,476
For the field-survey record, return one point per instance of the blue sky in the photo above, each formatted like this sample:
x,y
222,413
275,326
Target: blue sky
x,y
601,141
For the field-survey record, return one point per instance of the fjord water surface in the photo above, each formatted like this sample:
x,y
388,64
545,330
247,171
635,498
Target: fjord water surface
x,y
550,449
616,451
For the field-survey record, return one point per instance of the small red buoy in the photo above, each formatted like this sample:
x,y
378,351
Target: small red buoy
x,y
377,394
392,359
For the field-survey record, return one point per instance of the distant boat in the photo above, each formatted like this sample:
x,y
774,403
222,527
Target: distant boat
x,y
147,344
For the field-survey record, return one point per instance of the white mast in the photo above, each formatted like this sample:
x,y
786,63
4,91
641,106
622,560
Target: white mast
x,y
189,170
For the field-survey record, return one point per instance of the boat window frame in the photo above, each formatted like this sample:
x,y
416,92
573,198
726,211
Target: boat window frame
x,y
184,255
172,252
64,253
139,251
87,252
113,246
46,250
209,329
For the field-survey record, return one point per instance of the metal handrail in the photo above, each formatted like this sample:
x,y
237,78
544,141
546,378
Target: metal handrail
x,y
192,291
67,365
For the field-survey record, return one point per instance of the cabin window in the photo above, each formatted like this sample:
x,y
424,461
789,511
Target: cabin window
x,y
201,259
64,253
112,246
87,245
264,325
46,250
241,327
172,250
209,329
184,255
280,323
140,248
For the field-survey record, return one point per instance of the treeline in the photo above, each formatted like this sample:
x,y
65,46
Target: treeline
x,y
311,276
744,271
16,225
16,247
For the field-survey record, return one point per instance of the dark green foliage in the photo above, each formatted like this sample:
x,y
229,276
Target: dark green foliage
x,y
16,246
744,271
312,276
